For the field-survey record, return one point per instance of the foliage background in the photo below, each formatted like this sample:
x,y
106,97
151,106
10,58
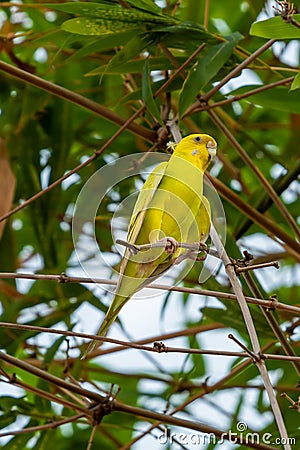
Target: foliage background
x,y
115,64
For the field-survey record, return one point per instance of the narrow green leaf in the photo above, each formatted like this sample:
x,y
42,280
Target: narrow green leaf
x,y
186,35
276,28
136,66
133,48
88,26
209,64
232,318
46,440
147,93
279,98
18,442
7,419
42,404
7,403
53,349
105,11
96,44
296,82
145,5
98,19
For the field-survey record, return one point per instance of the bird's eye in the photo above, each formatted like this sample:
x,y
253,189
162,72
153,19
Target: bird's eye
x,y
197,139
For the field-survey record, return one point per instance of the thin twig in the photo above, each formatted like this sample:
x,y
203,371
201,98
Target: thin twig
x,y
237,69
295,405
267,224
268,314
206,389
135,248
77,99
158,347
249,352
180,68
76,169
206,14
91,438
123,408
252,335
63,278
48,426
257,266
82,101
196,107
166,418
50,378
244,155
41,393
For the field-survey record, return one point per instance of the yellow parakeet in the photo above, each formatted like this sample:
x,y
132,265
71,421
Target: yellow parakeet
x,y
170,208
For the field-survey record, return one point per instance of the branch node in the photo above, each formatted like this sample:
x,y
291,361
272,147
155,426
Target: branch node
x,y
294,405
246,264
162,136
63,278
290,330
255,358
233,263
273,302
286,10
13,378
202,101
159,347
205,385
164,243
104,407
133,248
261,355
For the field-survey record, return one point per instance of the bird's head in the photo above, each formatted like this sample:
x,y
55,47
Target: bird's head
x,y
199,149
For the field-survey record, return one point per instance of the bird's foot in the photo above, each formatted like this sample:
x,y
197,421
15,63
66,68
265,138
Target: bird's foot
x,y
194,253
202,249
171,244
201,258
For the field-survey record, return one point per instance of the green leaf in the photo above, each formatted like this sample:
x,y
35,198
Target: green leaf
x,y
46,440
53,349
233,318
109,11
147,93
42,404
136,66
7,419
278,98
276,28
145,5
97,27
296,82
98,19
199,367
100,44
133,48
18,442
209,64
7,403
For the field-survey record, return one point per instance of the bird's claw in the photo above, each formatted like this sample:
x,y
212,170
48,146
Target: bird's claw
x,y
201,258
171,244
202,248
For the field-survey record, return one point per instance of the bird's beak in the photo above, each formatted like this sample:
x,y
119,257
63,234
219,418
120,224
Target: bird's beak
x,y
212,149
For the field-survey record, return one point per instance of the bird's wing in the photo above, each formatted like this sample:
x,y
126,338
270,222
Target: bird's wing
x,y
203,219
144,199
140,208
